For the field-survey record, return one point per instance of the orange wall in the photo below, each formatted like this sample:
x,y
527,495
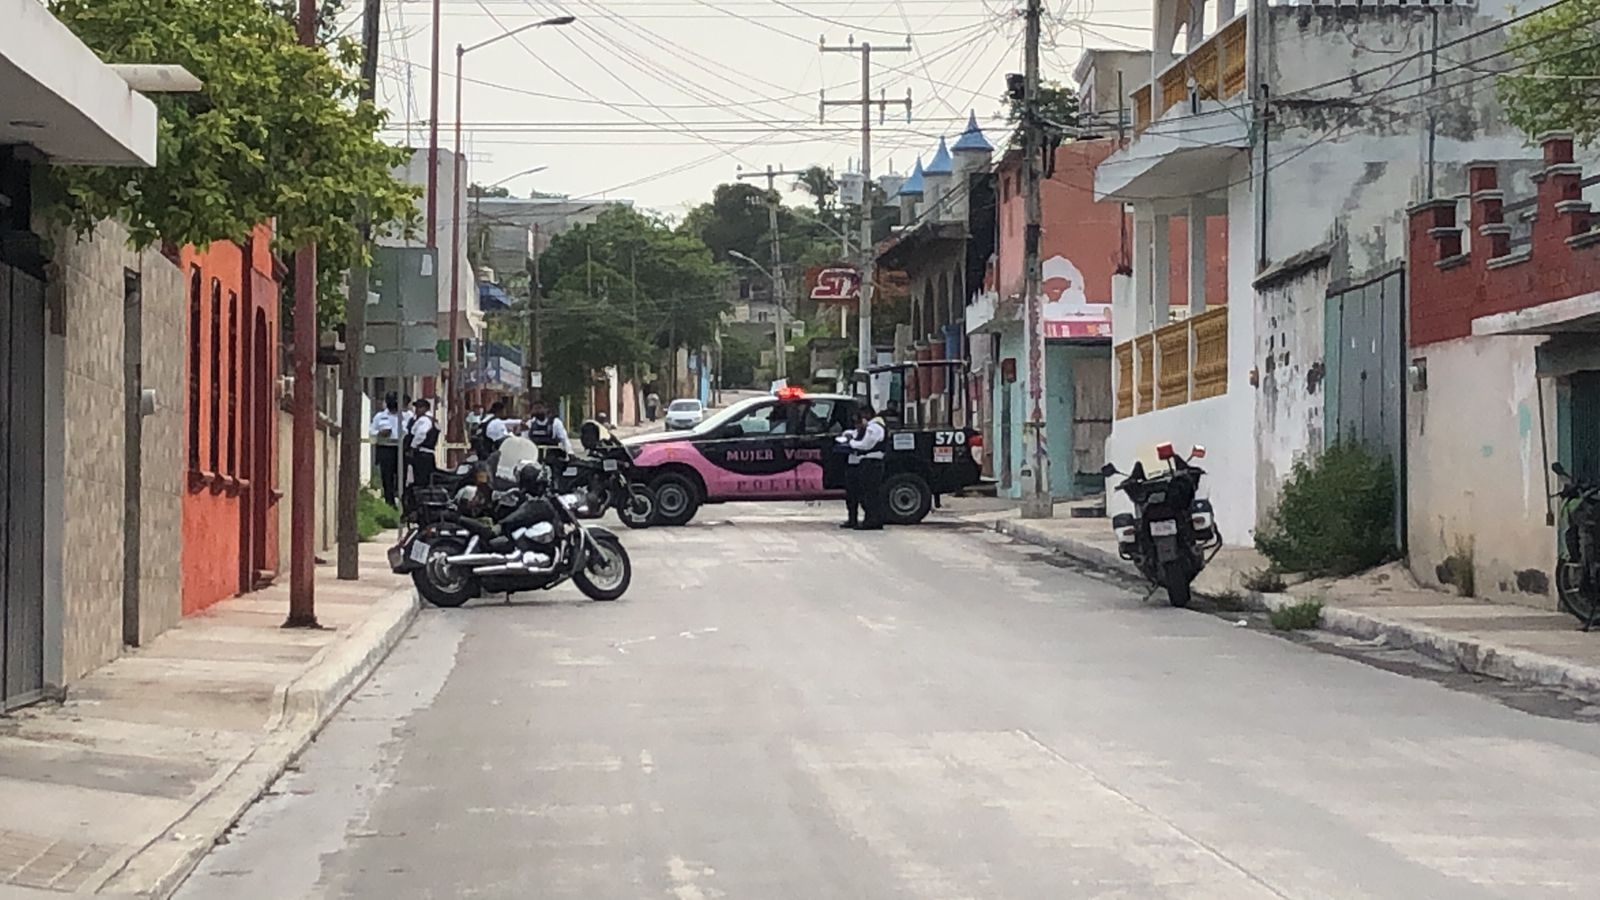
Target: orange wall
x,y
221,490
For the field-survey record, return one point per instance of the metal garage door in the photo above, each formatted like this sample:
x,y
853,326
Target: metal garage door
x,y
21,488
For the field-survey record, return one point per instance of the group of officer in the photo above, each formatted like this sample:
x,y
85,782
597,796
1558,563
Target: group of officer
x,y
416,433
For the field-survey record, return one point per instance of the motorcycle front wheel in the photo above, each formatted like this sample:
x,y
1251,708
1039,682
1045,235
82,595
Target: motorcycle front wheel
x,y
640,508
606,571
1176,580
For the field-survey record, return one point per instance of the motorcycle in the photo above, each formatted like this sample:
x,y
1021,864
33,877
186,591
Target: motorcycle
x,y
1578,565
1171,529
601,480
539,544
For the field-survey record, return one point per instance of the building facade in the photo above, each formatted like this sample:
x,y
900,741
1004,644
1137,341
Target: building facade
x,y
231,505
1281,121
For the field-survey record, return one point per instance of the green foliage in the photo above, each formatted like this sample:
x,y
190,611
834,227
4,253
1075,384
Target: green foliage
x,y
679,289
1301,616
1550,83
822,186
373,516
1265,581
276,134
734,220
588,325
1336,514
477,190
739,360
1230,601
1058,106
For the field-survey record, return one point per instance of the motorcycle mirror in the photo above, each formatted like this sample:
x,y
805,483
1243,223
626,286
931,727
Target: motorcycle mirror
x,y
1164,451
1559,469
1108,470
1199,452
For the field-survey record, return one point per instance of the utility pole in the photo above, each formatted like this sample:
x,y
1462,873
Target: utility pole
x,y
1036,499
433,129
534,302
864,339
302,507
779,288
355,342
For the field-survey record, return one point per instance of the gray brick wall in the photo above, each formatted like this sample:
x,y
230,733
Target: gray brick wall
x,y
87,286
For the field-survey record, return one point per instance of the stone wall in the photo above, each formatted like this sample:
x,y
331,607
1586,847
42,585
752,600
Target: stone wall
x,y
87,290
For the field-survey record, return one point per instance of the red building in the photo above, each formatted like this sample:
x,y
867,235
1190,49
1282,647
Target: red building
x,y
230,511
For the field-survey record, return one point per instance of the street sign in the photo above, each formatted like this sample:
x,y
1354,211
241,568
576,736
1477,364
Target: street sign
x,y
838,284
536,379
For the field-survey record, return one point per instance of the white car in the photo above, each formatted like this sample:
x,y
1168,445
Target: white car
x,y
684,414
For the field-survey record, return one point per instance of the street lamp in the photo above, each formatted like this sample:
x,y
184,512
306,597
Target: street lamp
x,y
455,229
779,338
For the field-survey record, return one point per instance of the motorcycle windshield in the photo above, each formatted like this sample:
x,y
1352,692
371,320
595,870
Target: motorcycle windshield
x,y
514,451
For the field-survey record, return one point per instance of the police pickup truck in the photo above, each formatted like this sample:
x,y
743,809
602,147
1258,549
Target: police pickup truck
x,y
782,447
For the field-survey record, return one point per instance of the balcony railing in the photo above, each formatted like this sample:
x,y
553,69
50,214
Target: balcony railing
x,y
1174,365
1217,68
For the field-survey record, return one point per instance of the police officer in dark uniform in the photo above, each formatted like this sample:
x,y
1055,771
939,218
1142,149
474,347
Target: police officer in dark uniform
x,y
864,478
546,430
420,446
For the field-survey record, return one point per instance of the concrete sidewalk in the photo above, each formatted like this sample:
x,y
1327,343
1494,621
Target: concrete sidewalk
x,y
121,789
1513,643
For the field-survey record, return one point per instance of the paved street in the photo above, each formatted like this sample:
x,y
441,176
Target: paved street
x,y
779,709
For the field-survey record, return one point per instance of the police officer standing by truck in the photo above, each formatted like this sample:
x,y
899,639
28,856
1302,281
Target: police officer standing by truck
x,y
864,478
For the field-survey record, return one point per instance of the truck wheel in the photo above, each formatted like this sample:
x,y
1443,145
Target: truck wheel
x,y
677,499
906,499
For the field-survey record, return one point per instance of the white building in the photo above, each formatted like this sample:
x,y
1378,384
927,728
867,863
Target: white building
x,y
1311,128
451,210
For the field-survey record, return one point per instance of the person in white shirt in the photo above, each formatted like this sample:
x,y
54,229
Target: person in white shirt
x,y
864,477
545,429
424,438
386,430
491,431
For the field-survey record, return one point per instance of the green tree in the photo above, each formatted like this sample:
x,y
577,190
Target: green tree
x,y
588,324
277,134
739,361
662,282
735,219
478,190
1550,86
822,186
1058,107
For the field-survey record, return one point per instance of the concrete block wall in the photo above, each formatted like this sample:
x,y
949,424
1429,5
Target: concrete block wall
x,y
87,289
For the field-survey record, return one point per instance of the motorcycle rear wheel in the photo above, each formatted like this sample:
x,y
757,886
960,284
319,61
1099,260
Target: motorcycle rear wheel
x,y
1570,592
607,571
1176,581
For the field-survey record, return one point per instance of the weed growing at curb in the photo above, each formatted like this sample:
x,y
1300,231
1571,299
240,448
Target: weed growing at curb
x,y
1230,601
1265,581
1300,616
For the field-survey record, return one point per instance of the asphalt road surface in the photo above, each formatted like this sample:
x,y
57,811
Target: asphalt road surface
x,y
779,709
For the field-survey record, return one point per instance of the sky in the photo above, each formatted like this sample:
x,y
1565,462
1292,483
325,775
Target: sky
x,y
659,101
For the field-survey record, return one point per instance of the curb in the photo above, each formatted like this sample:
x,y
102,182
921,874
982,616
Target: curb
x,y
156,870
1470,654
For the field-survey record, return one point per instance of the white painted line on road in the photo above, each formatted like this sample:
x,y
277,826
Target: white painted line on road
x,y
622,646
646,762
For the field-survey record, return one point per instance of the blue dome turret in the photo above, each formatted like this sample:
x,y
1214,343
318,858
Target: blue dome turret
x,y
972,140
913,185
